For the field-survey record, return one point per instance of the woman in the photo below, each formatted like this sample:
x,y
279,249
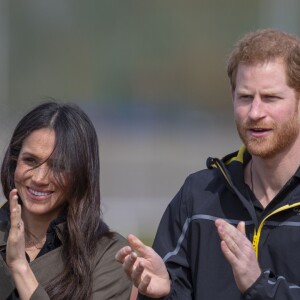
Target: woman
x,y
53,243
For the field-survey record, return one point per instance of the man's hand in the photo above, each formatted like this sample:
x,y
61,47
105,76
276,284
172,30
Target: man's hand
x,y
147,271
239,252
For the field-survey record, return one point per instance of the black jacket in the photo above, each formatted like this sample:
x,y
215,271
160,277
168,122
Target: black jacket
x,y
188,241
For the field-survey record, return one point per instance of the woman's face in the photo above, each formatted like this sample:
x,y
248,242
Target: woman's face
x,y
34,179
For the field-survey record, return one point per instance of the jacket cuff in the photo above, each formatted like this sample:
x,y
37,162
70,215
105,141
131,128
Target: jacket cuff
x,y
6,282
259,289
39,294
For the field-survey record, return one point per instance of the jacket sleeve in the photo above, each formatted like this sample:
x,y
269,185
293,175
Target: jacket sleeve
x,y
269,286
7,286
39,294
171,244
109,279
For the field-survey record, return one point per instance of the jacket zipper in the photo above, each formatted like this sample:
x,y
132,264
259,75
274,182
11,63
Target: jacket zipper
x,y
257,233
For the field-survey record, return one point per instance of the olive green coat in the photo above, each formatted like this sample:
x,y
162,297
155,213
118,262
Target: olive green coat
x,y
109,280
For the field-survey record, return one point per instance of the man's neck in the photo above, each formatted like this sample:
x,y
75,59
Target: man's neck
x,y
266,177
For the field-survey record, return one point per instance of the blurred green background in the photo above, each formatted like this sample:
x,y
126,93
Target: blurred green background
x,y
150,74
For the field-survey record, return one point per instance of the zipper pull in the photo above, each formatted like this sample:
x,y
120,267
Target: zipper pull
x,y
254,242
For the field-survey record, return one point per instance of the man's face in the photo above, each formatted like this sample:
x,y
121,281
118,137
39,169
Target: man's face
x,y
265,109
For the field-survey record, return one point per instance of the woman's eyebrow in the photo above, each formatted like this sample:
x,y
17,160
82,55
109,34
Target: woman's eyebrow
x,y
29,154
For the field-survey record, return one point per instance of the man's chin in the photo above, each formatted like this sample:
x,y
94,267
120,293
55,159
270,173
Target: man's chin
x,y
261,149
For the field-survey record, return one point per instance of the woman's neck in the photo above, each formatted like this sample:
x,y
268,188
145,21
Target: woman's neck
x,y
35,226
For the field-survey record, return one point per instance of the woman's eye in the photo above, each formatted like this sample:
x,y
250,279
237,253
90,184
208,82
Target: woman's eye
x,y
29,160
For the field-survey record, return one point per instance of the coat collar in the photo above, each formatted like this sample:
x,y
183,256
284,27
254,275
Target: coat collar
x,y
58,225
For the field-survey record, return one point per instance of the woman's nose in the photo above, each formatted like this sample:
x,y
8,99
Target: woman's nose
x,y
40,174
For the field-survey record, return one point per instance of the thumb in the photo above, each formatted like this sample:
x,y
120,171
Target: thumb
x,y
138,245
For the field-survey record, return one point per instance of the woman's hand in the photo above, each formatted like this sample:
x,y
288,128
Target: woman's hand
x,y
22,274
15,249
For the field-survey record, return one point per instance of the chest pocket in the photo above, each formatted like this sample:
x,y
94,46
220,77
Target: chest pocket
x,y
279,247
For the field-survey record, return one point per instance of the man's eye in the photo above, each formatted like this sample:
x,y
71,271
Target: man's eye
x,y
245,97
271,98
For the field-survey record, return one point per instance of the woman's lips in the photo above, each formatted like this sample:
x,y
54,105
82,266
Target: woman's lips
x,y
38,195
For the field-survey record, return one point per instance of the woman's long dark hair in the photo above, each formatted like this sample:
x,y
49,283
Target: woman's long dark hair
x,y
76,155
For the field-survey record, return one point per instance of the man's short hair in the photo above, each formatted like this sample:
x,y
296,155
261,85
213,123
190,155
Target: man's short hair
x,y
263,46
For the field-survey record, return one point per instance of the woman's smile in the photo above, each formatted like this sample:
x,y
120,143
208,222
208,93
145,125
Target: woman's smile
x,y
38,195
37,186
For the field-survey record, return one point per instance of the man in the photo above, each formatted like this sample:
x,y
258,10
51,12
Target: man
x,y
233,230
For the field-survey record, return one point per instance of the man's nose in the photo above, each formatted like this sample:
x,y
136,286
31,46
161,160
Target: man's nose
x,y
257,109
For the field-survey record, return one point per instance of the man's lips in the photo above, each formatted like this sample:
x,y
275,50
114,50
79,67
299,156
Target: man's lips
x,y
259,132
